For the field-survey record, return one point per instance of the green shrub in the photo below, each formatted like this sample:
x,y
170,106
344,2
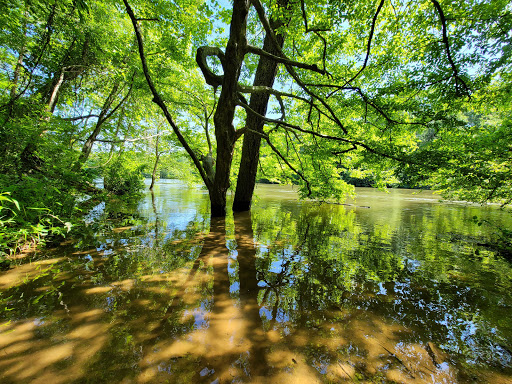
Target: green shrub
x,y
124,177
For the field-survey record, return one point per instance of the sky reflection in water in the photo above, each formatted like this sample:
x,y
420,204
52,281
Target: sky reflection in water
x,y
403,291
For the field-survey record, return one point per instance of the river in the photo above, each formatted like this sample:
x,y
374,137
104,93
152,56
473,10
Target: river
x,y
393,287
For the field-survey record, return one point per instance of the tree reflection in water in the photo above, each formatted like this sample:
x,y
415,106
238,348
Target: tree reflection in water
x,y
295,293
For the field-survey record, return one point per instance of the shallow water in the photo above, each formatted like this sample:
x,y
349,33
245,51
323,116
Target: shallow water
x,y
393,287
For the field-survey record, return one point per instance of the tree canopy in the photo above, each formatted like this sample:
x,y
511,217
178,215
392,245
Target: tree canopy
x,y
366,87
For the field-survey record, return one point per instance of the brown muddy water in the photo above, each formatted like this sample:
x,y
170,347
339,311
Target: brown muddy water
x,y
395,288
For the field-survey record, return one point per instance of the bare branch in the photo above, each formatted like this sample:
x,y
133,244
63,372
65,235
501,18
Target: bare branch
x,y
202,53
85,117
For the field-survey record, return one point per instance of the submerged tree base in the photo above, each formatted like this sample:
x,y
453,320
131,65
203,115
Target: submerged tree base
x,y
218,210
241,206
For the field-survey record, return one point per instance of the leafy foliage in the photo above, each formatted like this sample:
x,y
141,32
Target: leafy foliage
x,y
124,176
21,225
384,94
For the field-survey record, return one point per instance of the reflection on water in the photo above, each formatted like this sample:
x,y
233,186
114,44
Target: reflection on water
x,y
393,288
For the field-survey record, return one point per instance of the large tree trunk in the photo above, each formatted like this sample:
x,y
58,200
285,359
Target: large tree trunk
x,y
225,113
265,75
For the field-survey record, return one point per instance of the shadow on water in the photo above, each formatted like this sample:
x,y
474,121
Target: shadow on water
x,y
296,293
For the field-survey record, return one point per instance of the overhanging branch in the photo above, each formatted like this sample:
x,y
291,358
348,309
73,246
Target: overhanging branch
x,y
290,69
158,100
278,153
131,140
369,43
326,137
367,101
442,18
278,94
85,117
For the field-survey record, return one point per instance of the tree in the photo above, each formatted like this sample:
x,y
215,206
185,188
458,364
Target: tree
x,y
368,93
472,158
106,112
218,182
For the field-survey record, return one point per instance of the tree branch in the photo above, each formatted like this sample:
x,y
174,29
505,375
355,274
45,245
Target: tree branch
x,y
278,94
369,43
284,60
367,101
202,53
158,100
326,137
46,41
131,140
114,110
447,47
305,19
85,117
278,153
266,25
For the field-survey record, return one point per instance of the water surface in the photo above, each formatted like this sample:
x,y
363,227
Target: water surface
x,y
391,288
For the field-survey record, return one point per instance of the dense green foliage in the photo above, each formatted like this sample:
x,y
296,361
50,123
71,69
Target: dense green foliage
x,y
121,177
369,93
